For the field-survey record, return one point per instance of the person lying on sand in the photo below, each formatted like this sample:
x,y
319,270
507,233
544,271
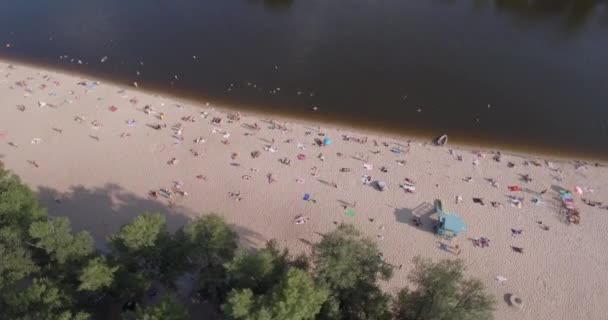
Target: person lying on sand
x,y
34,163
517,249
479,201
543,226
496,204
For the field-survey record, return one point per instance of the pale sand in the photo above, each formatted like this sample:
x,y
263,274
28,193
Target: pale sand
x,y
103,184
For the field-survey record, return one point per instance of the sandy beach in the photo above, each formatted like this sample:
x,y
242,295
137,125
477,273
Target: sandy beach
x,y
101,154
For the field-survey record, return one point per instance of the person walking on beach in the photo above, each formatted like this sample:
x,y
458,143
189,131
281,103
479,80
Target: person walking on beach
x,y
457,250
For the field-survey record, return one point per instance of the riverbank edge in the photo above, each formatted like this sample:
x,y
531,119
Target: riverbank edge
x,y
341,127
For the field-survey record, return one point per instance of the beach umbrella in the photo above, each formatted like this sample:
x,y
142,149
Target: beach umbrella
x,y
326,141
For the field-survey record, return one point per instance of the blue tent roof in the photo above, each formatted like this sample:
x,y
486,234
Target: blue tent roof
x,y
453,222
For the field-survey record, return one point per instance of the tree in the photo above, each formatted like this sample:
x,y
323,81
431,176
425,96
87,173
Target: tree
x,y
258,271
167,309
350,265
141,234
206,243
96,275
345,258
211,240
42,299
442,293
56,239
295,297
141,243
15,259
140,248
18,204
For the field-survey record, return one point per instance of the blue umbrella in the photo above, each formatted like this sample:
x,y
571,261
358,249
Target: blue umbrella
x,y
326,141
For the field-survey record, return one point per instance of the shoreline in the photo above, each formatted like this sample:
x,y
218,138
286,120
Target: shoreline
x,y
425,138
99,156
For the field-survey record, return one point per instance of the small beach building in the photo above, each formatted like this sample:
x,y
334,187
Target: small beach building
x,y
450,224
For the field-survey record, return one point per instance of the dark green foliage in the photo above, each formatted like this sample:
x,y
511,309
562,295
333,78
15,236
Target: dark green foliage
x,y
96,275
56,239
294,297
350,265
442,293
269,284
211,240
42,299
18,204
15,258
167,309
257,271
206,244
141,236
344,259
141,244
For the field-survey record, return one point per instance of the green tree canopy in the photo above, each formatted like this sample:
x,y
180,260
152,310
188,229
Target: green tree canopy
x,y
167,309
142,244
442,293
258,271
15,259
96,275
350,265
212,240
141,248
294,297
204,246
344,258
18,204
42,299
143,233
56,239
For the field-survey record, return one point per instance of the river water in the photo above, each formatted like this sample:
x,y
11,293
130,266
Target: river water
x,y
525,74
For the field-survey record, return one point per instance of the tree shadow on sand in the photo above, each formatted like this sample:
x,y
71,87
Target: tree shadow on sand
x,y
103,210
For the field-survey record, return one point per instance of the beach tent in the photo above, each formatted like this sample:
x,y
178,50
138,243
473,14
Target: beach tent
x,y
450,224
